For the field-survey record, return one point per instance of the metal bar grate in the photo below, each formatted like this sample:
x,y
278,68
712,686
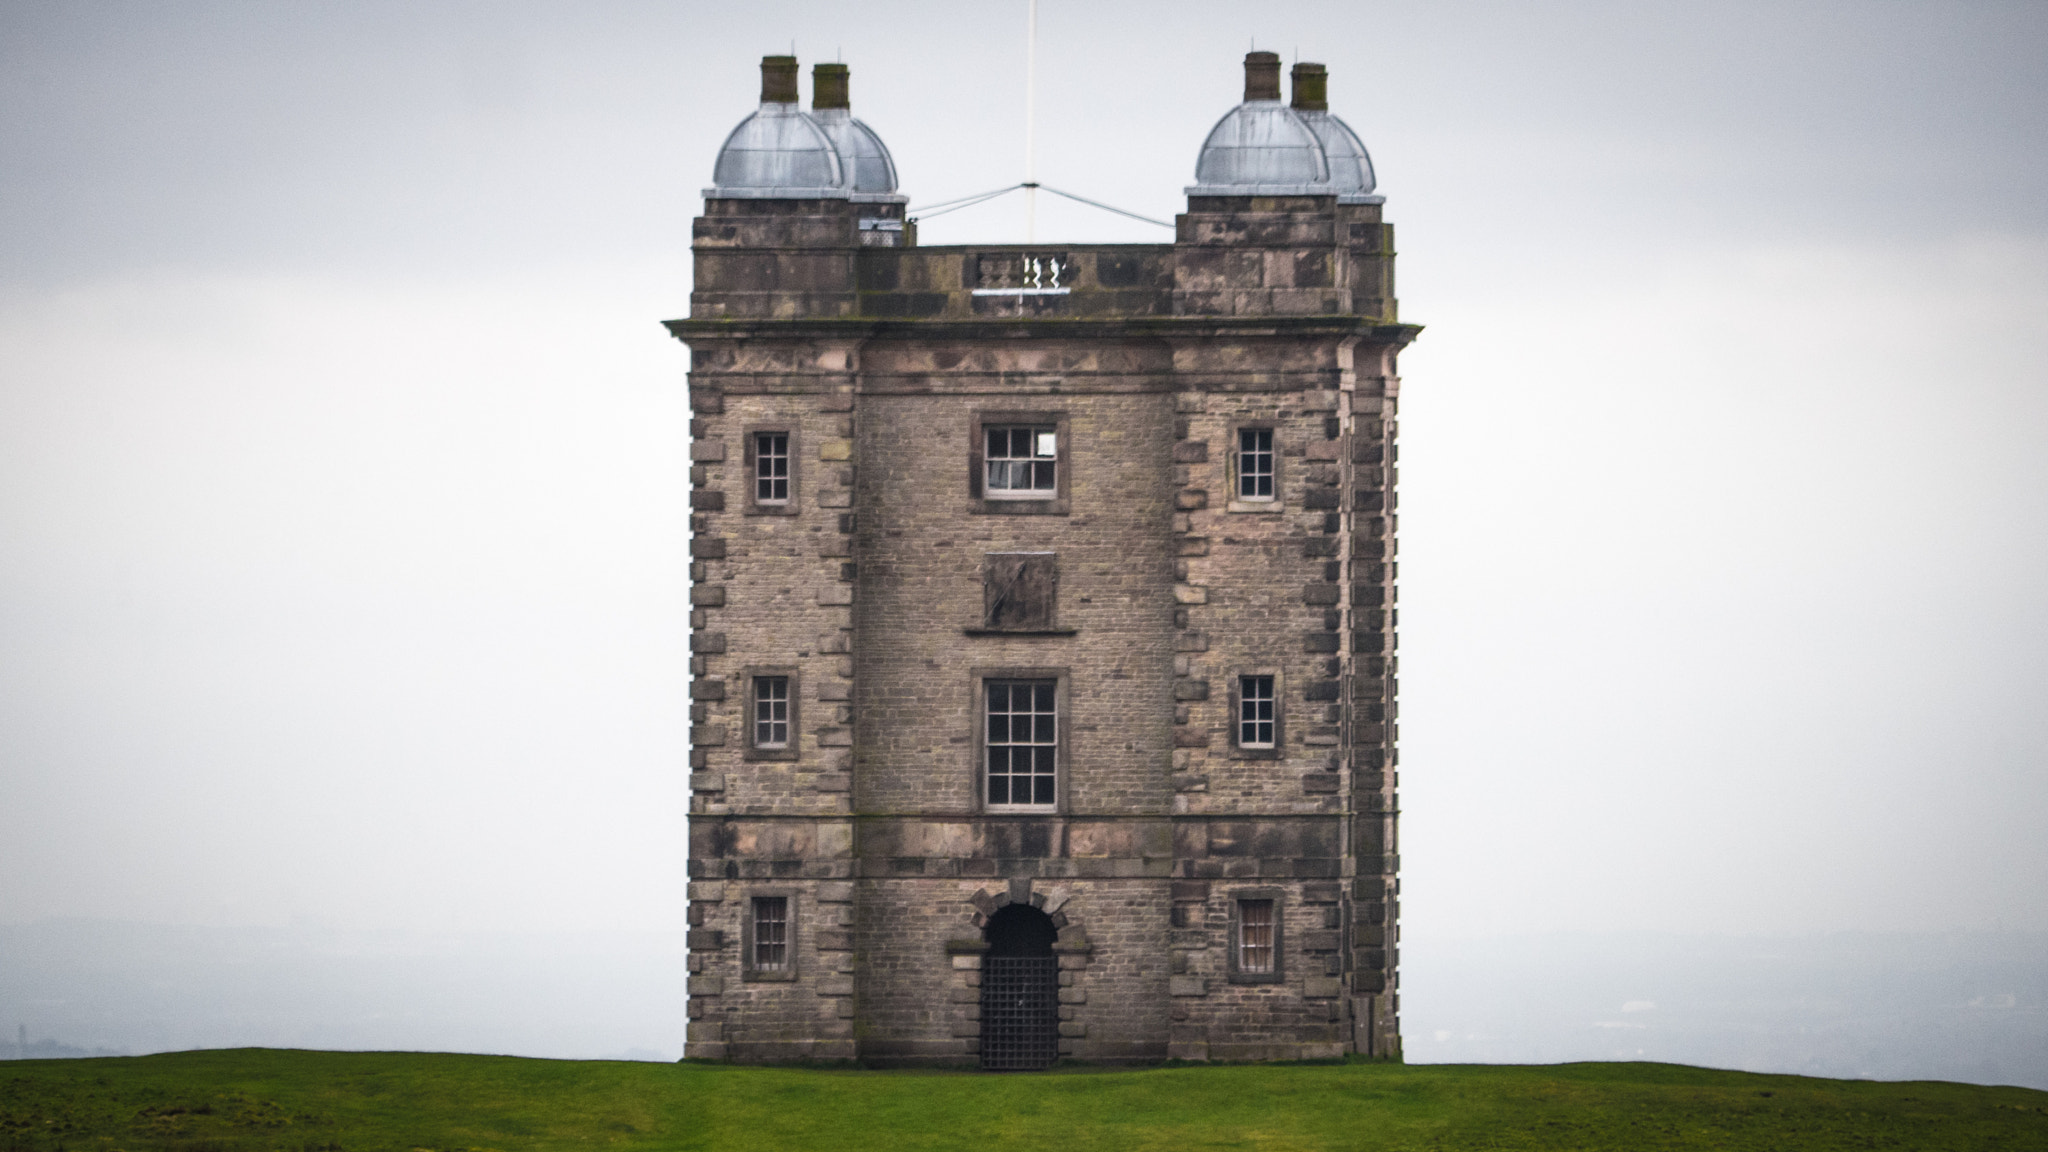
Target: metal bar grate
x,y
1020,1014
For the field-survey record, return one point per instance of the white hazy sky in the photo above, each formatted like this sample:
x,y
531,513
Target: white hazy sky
x,y
342,458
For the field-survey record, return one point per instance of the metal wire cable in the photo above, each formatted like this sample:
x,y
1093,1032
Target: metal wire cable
x,y
945,206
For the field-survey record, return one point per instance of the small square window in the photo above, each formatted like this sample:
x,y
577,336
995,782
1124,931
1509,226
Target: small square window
x,y
1256,712
771,467
1255,464
1018,462
1022,463
771,712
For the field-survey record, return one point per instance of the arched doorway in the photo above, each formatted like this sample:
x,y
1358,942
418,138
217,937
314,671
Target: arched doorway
x,y
1020,991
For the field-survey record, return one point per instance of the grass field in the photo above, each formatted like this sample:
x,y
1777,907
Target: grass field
x,y
261,1099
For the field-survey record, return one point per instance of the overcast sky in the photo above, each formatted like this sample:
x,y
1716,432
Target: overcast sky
x,y
342,457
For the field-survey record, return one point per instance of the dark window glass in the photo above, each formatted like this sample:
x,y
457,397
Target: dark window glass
x,y
1255,712
1021,461
771,711
771,933
1023,741
1255,463
771,468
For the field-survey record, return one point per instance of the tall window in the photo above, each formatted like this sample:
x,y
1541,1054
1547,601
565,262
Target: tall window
x,y
771,933
771,711
1021,462
1255,463
1256,939
1255,728
1022,745
771,467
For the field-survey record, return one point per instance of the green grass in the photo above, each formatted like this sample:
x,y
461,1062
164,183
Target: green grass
x,y
256,1099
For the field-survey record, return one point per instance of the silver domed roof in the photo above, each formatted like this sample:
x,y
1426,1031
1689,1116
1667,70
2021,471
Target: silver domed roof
x,y
782,152
779,151
1261,142
1350,166
862,155
1265,148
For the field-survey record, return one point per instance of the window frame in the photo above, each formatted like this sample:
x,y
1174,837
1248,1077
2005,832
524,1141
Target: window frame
x,y
1058,504
1238,750
749,750
1062,751
1238,898
750,917
750,438
1278,501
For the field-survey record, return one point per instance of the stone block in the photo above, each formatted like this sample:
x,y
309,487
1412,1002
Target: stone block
x,y
1073,1028
707,688
708,596
1320,782
1320,499
1190,452
702,1030
708,547
1187,499
1321,988
835,985
1188,985
707,781
704,939
835,738
835,450
707,500
1182,593
708,450
1186,689
1321,594
835,892
707,735
706,891
707,643
838,595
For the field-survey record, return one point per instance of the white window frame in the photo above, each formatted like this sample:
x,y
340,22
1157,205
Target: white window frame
x,y
1040,749
1045,457
1247,702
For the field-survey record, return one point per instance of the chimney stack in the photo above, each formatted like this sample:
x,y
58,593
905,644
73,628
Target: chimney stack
x,y
828,87
778,79
1261,76
1311,88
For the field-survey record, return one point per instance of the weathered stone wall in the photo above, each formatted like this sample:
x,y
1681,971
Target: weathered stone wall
x,y
1267,312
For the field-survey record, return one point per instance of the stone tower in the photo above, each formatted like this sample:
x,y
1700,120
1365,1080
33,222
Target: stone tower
x,y
1042,629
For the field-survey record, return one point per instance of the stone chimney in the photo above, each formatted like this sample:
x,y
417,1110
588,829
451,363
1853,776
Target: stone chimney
x,y
778,80
828,87
1311,88
1261,76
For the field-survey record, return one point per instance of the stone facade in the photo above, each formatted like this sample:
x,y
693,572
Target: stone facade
x,y
868,593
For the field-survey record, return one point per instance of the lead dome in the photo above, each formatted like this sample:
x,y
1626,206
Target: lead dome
x,y
782,152
1265,148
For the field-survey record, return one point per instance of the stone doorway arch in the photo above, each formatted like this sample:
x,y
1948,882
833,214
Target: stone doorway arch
x,y
1020,986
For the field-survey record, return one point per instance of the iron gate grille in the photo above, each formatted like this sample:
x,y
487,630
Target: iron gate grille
x,y
1020,1013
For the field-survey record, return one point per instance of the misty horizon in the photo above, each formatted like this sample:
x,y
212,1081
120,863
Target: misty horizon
x,y
343,474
